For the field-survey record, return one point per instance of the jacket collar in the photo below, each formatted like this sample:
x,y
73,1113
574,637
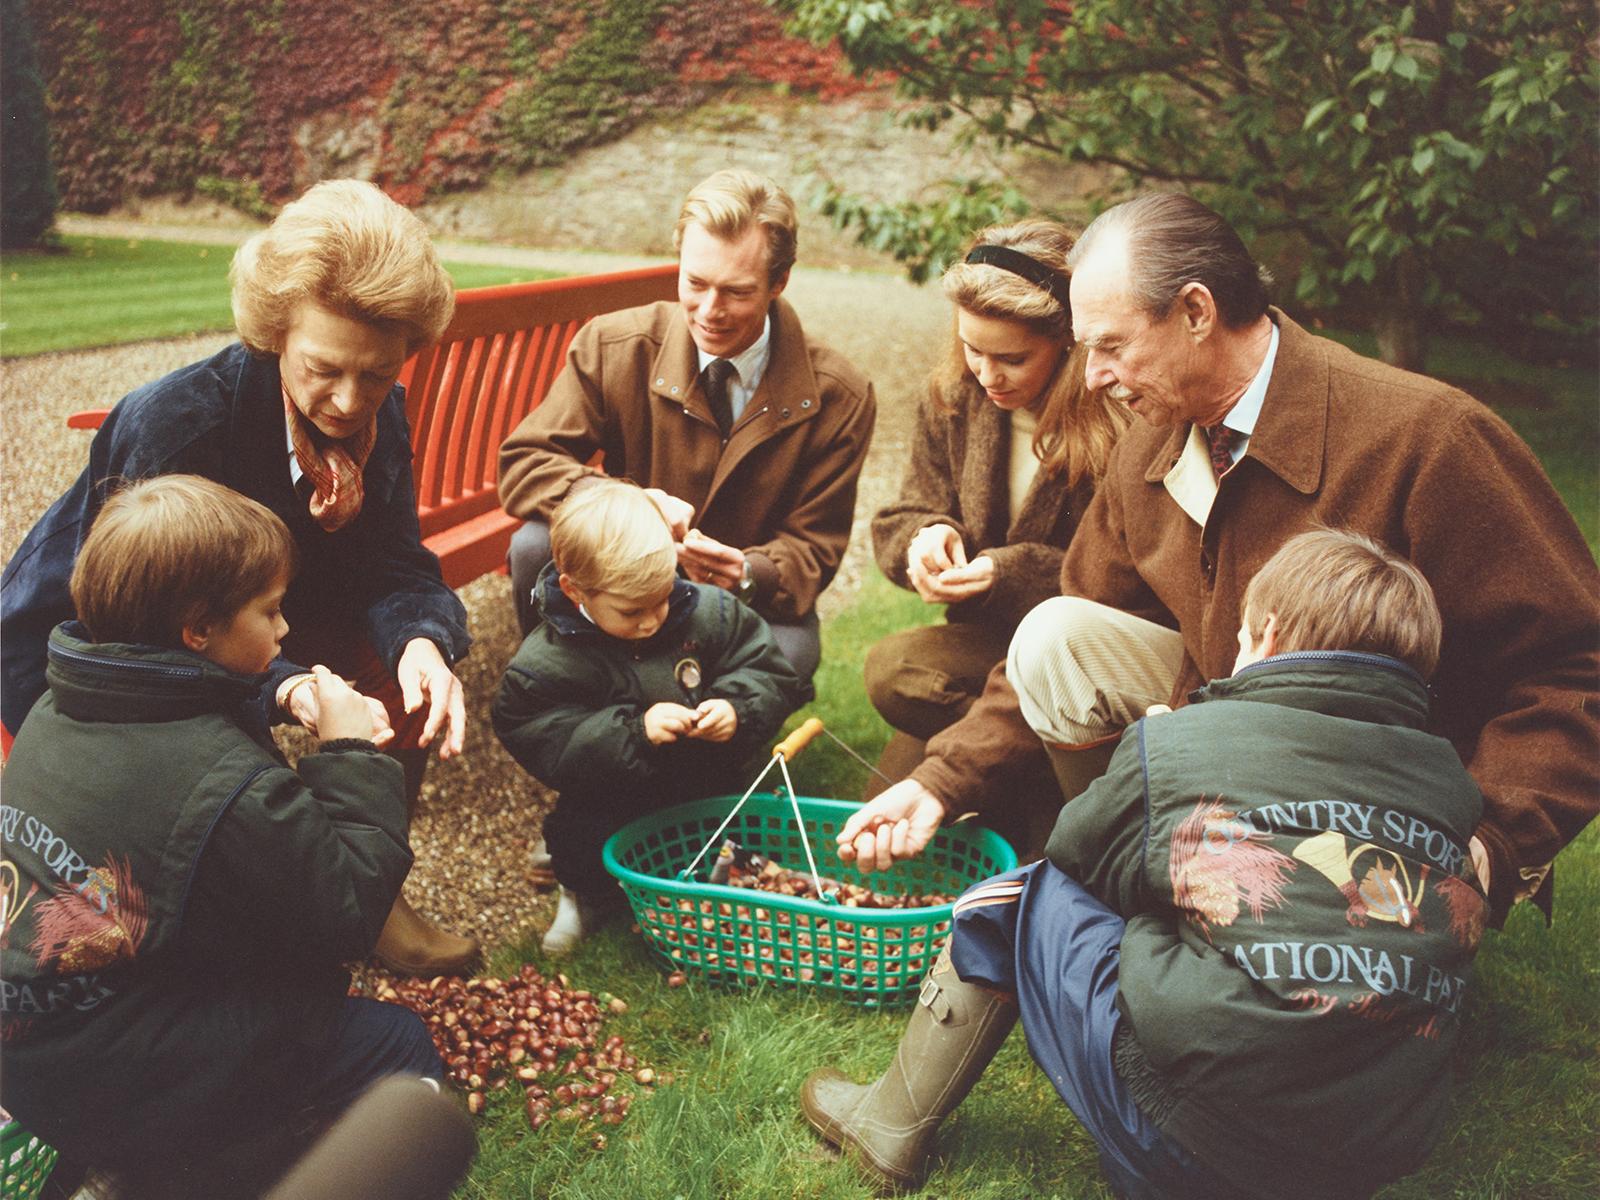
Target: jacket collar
x,y
566,620
127,684
787,395
1291,435
1338,683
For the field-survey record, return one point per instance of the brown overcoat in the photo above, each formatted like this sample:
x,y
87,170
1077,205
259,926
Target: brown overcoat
x,y
783,488
1349,442
959,475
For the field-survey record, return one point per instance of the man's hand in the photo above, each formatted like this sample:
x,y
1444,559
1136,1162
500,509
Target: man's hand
x,y
300,697
679,514
667,722
706,560
424,676
1480,862
937,566
896,825
714,721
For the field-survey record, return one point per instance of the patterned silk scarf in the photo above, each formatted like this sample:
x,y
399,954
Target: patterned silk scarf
x,y
333,465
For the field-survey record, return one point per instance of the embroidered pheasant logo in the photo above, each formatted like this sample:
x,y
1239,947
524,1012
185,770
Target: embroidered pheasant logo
x,y
1219,864
74,936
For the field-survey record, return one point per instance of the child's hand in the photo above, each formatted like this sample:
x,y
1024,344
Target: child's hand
x,y
343,712
667,722
300,699
714,721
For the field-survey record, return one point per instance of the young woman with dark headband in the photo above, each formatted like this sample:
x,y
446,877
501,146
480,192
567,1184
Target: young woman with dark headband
x,y
1007,450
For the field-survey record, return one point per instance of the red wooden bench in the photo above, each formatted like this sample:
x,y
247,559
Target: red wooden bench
x,y
492,366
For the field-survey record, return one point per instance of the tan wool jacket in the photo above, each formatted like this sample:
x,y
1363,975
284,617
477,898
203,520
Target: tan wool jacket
x,y
959,476
783,489
1349,442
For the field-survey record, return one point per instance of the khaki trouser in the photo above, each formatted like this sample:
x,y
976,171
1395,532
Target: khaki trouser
x,y
924,680
1083,671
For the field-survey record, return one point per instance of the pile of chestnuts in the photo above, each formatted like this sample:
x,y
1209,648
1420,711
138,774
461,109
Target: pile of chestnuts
x,y
541,1035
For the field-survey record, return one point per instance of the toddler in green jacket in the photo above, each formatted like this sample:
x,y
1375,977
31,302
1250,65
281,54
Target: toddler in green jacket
x,y
1243,959
637,690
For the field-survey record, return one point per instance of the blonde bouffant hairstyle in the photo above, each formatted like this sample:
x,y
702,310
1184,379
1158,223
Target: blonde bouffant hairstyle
x,y
1076,427
346,247
608,536
1333,589
173,552
728,202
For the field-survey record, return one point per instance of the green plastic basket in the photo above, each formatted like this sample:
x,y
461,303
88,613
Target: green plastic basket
x,y
738,936
25,1163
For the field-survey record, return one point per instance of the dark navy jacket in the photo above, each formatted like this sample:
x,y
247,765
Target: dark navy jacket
x,y
223,419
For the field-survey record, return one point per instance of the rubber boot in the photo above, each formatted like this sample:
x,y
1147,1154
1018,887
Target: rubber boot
x,y
409,945
889,1125
1075,767
900,757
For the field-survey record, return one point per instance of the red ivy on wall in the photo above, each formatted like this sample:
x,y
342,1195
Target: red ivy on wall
x,y
426,96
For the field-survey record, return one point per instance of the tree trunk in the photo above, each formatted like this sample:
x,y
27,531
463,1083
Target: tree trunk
x,y
1401,340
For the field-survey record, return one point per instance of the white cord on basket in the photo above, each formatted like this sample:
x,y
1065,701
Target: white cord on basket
x,y
689,870
794,802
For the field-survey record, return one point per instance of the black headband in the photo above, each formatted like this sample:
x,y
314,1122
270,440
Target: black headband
x,y
1031,269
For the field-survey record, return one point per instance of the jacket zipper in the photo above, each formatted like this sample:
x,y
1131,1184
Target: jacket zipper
x,y
118,664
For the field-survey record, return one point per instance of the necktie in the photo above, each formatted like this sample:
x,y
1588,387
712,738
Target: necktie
x,y
1222,440
714,380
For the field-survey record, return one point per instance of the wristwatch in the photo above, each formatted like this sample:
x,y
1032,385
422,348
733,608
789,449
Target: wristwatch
x,y
746,591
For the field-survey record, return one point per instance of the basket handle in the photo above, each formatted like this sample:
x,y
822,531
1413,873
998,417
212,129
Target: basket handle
x,y
798,740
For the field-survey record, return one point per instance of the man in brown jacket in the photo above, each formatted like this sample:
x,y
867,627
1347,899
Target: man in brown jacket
x,y
1255,430
748,436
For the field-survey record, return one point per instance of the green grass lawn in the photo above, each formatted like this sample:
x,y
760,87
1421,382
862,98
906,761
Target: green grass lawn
x,y
105,291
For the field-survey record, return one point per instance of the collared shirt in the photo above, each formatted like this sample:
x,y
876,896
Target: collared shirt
x,y
748,368
1243,416
294,461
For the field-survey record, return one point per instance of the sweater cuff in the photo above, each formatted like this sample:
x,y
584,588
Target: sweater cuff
x,y
336,745
932,774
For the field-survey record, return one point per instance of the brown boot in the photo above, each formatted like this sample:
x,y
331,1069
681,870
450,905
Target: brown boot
x,y
889,1124
1075,767
409,945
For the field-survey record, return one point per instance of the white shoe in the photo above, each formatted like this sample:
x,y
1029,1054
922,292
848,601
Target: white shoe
x,y
568,929
541,856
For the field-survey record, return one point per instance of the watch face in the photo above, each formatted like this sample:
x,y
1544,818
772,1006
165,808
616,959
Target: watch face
x,y
688,674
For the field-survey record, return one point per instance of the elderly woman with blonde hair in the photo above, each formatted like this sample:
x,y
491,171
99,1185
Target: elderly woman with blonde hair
x,y
304,415
1007,450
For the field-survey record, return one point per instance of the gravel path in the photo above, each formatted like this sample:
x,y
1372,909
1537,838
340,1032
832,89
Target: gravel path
x,y
479,812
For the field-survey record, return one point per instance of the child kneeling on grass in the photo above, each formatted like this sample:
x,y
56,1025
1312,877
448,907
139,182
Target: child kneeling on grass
x,y
1243,959
637,690
177,901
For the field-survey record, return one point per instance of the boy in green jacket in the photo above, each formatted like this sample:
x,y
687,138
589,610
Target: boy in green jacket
x,y
176,902
637,690
1243,960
